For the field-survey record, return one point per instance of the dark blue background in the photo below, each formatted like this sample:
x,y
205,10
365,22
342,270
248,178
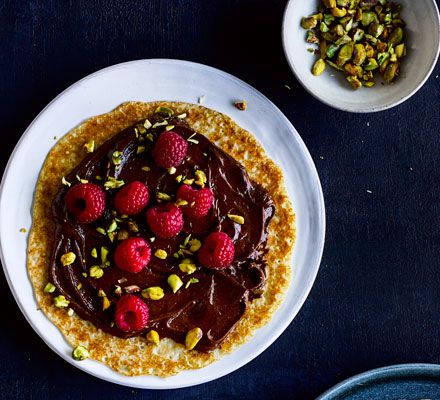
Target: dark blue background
x,y
376,299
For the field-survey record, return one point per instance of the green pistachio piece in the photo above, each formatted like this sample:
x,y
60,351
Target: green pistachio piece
x,y
319,67
113,183
195,245
400,50
369,49
355,70
343,40
117,157
368,75
398,22
153,337
311,38
375,29
396,37
80,353
112,227
174,282
371,65
330,37
354,3
358,35
328,19
165,111
391,72
68,258
329,3
94,253
345,54
96,272
343,3
369,17
359,54
162,254
309,23
331,50
187,266
153,293
338,12
323,48
49,288
382,57
339,30
193,337
60,301
323,27
369,84
332,64
192,280
354,82
104,254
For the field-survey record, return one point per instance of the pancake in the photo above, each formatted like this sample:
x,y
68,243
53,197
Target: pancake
x,y
135,355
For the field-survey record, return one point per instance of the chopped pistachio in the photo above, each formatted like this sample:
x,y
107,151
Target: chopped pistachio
x,y
70,312
181,202
64,182
123,234
146,169
236,218
132,289
187,240
169,127
150,137
192,280
106,303
133,227
117,157
101,231
140,149
202,99
195,245
23,230
101,293
61,301
176,255
172,170
49,288
96,272
68,258
153,337
188,181
193,141
153,293
84,274
193,337
179,178
104,254
162,196
141,129
242,105
94,253
113,183
79,286
165,111
113,226
162,254
98,178
152,239
80,353
174,282
201,178
187,266
181,116
163,123
147,124
55,138
89,146
118,290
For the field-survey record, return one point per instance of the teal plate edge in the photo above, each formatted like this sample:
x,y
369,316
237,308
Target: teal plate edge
x,y
396,382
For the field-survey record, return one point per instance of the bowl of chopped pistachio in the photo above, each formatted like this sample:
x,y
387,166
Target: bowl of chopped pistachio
x,y
361,55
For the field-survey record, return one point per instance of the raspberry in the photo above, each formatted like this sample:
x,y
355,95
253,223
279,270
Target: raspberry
x,y
85,201
132,198
169,150
165,221
132,254
131,313
201,200
217,251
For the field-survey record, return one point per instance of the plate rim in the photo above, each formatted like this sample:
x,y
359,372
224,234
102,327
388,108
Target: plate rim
x,y
377,373
321,239
361,110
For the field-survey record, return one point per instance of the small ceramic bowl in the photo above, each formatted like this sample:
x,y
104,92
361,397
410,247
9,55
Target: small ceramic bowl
x,y
421,36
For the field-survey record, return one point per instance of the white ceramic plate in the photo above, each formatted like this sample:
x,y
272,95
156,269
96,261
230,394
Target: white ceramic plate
x,y
422,36
150,80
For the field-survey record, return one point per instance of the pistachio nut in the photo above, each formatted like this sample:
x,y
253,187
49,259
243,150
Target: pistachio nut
x,y
132,289
238,218
61,301
193,337
153,293
68,258
329,3
338,12
49,288
105,303
187,266
162,254
80,353
354,82
318,69
174,282
354,70
391,72
396,36
359,54
194,245
345,54
165,111
153,337
309,23
96,272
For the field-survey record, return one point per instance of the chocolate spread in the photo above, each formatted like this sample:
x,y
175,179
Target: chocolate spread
x,y
215,303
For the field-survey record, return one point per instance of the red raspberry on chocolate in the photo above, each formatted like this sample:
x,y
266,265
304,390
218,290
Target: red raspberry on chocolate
x,y
131,313
132,254
166,221
217,251
199,201
85,201
169,150
132,198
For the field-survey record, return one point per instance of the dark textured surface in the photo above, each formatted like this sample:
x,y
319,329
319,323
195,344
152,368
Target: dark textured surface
x,y
376,298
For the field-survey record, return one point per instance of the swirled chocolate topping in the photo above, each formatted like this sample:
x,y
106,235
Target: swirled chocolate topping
x,y
213,300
